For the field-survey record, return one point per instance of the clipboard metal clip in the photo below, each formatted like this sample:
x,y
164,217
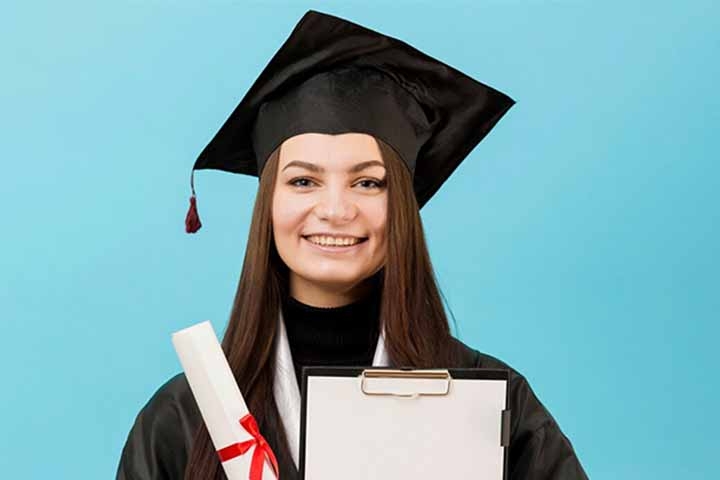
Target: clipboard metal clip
x,y
385,374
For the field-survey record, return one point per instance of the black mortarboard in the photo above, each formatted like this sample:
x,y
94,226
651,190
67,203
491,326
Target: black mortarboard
x,y
334,76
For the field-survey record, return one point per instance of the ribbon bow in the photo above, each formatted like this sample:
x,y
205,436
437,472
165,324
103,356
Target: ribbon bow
x,y
262,449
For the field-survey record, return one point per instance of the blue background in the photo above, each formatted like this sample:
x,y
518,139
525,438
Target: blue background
x,y
579,242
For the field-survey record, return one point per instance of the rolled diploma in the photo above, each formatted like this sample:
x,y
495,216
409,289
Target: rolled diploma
x,y
217,395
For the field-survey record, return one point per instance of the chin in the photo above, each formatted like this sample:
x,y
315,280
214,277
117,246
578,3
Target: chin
x,y
341,279
332,277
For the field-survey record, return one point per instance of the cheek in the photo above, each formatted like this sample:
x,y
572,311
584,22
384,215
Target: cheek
x,y
377,214
287,217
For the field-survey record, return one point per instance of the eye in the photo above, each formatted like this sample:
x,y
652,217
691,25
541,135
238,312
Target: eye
x,y
371,184
301,182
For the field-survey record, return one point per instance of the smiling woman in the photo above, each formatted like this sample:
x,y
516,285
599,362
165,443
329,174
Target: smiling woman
x,y
329,213
337,270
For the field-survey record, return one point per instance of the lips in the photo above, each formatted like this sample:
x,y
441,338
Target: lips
x,y
330,247
337,241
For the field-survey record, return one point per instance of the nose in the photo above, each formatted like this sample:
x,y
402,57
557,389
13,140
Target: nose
x,y
335,205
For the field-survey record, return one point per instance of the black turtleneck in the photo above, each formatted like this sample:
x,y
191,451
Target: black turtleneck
x,y
335,336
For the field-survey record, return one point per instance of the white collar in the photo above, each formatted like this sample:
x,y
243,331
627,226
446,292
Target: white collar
x,y
287,391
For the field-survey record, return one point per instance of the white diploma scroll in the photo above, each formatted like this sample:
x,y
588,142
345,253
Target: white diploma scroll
x,y
219,399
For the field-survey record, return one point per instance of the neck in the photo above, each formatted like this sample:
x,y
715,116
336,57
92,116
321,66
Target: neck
x,y
326,295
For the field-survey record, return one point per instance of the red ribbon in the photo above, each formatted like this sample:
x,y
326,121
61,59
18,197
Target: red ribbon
x,y
262,449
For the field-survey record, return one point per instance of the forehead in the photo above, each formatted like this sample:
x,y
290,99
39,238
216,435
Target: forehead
x,y
325,149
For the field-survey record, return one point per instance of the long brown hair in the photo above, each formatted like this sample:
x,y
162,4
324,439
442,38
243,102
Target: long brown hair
x,y
416,328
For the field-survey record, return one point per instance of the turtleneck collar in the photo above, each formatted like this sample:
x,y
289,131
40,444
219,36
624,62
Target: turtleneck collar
x,y
335,336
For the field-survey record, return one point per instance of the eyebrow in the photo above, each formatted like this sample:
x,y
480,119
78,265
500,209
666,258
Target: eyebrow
x,y
317,169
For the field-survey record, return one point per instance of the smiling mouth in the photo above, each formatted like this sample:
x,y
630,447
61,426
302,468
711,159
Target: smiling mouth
x,y
337,242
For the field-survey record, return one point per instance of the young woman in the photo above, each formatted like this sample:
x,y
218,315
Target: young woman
x,y
350,133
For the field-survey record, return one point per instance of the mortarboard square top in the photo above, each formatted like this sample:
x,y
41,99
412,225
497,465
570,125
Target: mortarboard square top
x,y
334,76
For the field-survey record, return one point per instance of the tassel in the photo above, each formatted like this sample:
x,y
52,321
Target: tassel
x,y
192,219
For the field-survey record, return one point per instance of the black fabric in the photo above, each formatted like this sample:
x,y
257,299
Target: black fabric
x,y
344,100
335,76
159,442
341,336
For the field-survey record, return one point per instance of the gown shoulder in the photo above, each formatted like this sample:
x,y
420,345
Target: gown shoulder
x,y
159,441
539,450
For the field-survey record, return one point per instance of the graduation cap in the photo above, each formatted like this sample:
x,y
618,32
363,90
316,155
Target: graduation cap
x,y
334,76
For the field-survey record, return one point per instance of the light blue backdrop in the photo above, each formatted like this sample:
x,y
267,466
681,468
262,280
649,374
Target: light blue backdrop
x,y
579,242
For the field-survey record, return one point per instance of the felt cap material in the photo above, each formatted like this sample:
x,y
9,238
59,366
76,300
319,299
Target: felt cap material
x,y
334,76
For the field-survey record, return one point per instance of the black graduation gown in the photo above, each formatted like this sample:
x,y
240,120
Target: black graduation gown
x,y
160,440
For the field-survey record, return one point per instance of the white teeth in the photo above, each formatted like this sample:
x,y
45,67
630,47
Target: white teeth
x,y
332,241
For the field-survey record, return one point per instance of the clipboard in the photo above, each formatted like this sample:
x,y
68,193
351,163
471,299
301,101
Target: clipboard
x,y
382,424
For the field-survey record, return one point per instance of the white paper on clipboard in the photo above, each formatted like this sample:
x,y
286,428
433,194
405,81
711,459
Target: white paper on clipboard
x,y
422,428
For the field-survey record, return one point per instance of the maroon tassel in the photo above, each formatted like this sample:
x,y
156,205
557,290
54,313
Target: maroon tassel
x,y
192,219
